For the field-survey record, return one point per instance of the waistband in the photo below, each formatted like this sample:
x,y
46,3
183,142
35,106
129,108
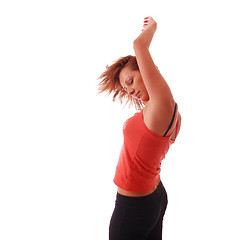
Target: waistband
x,y
159,190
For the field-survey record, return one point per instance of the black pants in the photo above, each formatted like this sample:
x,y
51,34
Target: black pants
x,y
139,218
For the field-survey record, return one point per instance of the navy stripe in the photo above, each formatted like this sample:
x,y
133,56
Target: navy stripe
x,y
170,125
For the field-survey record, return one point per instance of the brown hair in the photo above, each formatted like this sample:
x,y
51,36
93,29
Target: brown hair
x,y
110,81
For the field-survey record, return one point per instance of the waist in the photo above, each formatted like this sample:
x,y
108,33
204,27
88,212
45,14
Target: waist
x,y
137,194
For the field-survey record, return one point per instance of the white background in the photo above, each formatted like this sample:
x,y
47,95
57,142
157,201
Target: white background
x,y
60,142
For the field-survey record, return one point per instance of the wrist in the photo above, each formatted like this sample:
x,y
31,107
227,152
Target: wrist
x,y
145,38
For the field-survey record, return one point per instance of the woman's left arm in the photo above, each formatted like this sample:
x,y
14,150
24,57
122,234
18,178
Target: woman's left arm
x,y
159,92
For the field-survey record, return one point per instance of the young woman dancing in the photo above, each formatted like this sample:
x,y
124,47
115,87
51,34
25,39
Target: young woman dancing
x,y
141,197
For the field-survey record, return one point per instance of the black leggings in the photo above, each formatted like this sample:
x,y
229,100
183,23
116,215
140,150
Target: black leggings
x,y
139,218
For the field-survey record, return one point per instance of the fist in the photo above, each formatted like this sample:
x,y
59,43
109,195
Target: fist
x,y
149,23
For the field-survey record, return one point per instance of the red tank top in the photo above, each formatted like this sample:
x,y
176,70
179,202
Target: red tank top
x,y
141,155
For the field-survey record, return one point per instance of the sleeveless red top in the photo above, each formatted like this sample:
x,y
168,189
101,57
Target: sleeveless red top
x,y
141,155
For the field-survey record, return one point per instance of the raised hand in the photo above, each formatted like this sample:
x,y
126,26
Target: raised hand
x,y
149,22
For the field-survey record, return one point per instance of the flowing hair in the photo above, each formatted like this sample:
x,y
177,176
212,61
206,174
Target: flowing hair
x,y
109,81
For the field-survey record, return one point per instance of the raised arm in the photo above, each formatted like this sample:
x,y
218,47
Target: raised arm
x,y
156,86
161,104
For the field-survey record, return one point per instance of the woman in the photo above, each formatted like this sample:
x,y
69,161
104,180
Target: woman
x,y
141,197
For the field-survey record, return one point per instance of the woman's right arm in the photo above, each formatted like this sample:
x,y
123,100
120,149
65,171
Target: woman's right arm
x,y
161,104
158,89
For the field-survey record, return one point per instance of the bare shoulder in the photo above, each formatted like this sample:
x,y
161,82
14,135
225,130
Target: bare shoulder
x,y
158,117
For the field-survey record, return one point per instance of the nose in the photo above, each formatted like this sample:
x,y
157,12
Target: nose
x,y
131,92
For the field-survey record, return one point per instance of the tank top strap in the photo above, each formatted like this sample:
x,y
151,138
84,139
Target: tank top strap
x,y
173,120
176,126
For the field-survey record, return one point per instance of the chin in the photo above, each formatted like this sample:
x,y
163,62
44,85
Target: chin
x,y
145,99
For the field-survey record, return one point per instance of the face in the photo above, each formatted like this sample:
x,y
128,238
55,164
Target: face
x,y
133,84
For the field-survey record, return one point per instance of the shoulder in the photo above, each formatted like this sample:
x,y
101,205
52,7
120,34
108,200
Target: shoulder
x,y
157,117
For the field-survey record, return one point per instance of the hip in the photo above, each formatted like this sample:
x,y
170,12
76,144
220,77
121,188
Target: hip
x,y
138,194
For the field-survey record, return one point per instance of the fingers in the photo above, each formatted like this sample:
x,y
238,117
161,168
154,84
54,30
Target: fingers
x,y
147,21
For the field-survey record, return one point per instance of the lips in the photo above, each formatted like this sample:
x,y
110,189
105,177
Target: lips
x,y
137,95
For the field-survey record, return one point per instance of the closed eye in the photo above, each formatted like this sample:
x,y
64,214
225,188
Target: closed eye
x,y
130,81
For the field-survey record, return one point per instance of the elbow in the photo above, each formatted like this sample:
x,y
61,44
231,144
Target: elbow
x,y
135,43
138,43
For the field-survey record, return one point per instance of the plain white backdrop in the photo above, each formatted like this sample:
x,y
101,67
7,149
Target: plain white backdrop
x,y
60,142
